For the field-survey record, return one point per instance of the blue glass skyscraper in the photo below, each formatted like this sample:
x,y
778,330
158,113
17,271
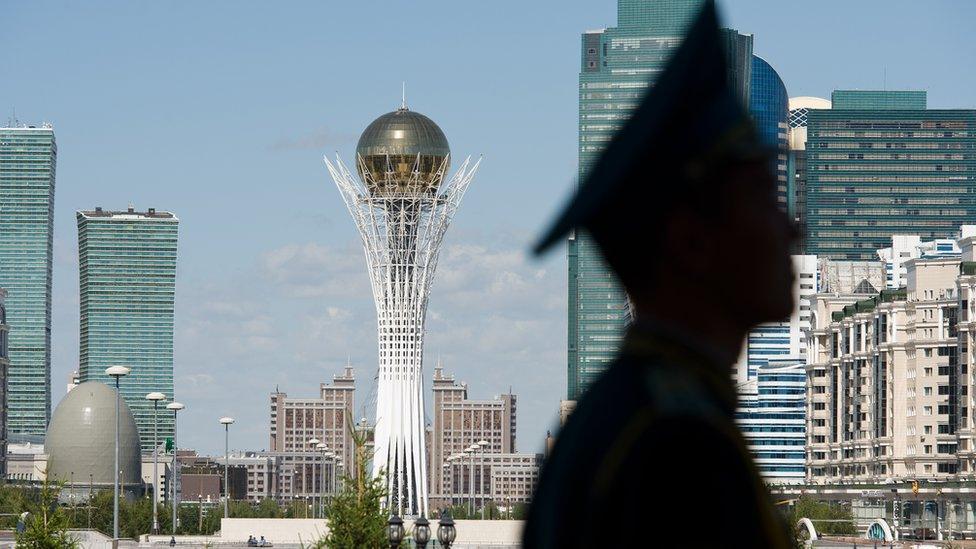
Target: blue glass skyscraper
x,y
769,105
28,157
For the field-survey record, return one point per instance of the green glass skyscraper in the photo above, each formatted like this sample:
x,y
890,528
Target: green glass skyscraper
x,y
28,157
127,268
880,163
617,66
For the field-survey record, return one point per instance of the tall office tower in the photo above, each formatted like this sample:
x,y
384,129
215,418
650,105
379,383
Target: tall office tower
x,y
617,66
4,372
402,203
769,105
127,268
879,163
28,157
796,160
785,339
460,422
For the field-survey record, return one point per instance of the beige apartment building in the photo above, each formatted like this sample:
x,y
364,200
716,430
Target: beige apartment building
x,y
300,467
493,473
888,382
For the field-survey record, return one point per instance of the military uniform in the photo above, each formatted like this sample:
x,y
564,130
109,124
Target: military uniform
x,y
651,457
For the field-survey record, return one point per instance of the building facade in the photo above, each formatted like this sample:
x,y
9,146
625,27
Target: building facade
x,y
889,381
127,271
502,479
769,105
294,467
796,161
460,422
327,418
771,415
28,159
881,163
786,338
4,371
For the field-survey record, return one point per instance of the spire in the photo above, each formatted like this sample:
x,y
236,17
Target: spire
x,y
403,96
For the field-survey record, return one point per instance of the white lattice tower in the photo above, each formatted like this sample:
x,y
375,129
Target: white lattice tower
x,y
402,230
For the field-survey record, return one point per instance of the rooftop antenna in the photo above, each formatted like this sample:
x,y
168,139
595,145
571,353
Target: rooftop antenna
x,y
403,96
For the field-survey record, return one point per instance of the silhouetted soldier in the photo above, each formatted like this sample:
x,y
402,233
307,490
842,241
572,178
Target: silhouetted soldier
x,y
682,204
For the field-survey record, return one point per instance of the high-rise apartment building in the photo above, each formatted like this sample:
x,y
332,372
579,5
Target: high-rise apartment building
x,y
127,270
769,106
889,375
4,370
880,163
460,422
28,157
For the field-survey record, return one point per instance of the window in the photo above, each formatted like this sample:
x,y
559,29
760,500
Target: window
x,y
927,391
926,410
928,429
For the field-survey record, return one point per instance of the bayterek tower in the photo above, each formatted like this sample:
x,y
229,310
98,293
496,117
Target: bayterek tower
x,y
402,200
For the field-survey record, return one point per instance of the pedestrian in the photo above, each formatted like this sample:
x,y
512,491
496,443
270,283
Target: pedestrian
x,y
682,205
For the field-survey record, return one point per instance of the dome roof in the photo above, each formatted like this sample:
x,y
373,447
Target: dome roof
x,y
81,438
403,132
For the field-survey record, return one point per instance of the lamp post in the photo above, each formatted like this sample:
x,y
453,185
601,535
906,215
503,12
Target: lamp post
x,y
226,422
313,442
323,491
118,372
155,398
470,451
394,531
449,471
421,532
446,533
483,445
176,407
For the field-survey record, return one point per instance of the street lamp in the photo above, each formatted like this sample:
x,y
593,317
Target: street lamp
x,y
394,531
155,398
446,533
421,532
176,407
118,372
483,444
326,455
313,442
470,451
226,421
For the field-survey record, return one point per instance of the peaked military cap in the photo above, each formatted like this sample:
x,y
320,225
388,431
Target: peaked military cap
x,y
687,124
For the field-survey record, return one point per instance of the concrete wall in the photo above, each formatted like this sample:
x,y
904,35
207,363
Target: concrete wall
x,y
469,532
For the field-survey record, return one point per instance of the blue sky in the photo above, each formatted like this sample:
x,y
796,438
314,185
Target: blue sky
x,y
221,112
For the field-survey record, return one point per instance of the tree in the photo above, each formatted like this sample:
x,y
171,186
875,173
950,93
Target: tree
x,y
46,524
828,518
356,517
